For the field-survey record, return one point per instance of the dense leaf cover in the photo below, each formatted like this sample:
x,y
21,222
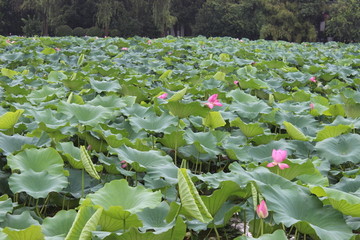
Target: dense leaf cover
x,y
112,138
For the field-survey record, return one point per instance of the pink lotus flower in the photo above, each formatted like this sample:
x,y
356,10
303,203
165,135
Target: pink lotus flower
x,y
262,210
149,42
312,79
213,101
9,41
163,96
57,49
312,106
124,48
278,156
236,82
123,164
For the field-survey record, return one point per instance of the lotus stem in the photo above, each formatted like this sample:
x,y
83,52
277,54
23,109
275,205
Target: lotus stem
x,y
44,205
245,223
216,232
82,182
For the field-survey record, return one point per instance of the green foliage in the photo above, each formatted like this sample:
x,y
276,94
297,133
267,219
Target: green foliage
x,y
63,30
344,20
79,32
94,31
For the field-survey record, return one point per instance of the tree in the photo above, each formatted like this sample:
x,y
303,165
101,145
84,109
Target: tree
x,y
229,18
162,17
344,21
107,10
45,10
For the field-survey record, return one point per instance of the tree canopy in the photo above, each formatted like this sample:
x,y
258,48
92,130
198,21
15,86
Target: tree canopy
x,y
290,20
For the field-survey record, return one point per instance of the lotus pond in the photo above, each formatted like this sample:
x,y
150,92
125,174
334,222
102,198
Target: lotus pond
x,y
178,138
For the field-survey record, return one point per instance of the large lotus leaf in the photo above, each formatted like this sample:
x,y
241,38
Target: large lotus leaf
x,y
214,120
173,140
294,132
346,203
178,95
71,153
142,160
9,119
31,233
241,96
183,110
119,193
50,118
86,113
58,225
341,149
38,160
21,221
37,184
332,131
349,185
277,235
250,110
5,206
11,144
191,201
85,222
296,168
105,86
45,94
249,130
155,220
112,101
204,142
153,123
306,212
215,201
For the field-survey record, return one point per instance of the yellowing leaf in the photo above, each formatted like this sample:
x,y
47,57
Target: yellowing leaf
x,y
9,119
294,132
214,120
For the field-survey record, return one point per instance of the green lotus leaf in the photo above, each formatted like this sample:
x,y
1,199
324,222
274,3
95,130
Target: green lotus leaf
x,y
216,200
56,76
214,120
9,119
71,153
332,131
249,130
85,222
58,225
38,160
87,163
19,221
11,144
5,206
142,160
153,123
111,101
341,149
86,113
31,233
9,73
105,86
183,110
191,201
220,76
37,184
250,110
50,118
346,203
48,51
311,218
178,95
204,142
294,132
173,140
119,193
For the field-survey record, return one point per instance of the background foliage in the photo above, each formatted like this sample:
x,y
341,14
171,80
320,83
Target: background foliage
x,y
291,20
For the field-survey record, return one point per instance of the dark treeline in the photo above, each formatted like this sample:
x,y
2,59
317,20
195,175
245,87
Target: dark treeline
x,y
291,20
